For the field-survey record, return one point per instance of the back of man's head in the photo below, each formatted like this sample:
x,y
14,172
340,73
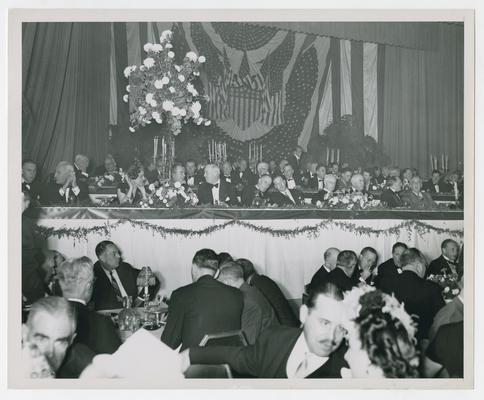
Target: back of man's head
x,y
207,260
327,289
76,278
224,257
331,256
413,260
347,260
231,274
101,247
247,267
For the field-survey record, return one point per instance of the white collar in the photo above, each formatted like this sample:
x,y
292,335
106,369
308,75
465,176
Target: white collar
x,y
448,259
299,352
77,300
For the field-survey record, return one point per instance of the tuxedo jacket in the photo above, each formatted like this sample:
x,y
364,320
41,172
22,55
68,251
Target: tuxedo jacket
x,y
319,196
444,187
296,164
103,294
418,203
96,331
341,280
313,182
319,277
203,307
226,193
246,178
268,357
391,198
276,298
51,195
79,174
282,200
386,272
249,193
34,189
440,266
421,298
447,348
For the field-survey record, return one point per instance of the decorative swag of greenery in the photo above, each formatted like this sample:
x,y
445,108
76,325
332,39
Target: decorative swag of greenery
x,y
311,231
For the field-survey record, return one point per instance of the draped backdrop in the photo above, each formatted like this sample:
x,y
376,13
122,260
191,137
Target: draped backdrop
x,y
276,84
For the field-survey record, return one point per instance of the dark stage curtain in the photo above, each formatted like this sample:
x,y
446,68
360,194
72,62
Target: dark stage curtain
x,y
65,91
424,102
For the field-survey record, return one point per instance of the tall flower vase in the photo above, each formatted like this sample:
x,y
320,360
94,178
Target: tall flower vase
x,y
167,153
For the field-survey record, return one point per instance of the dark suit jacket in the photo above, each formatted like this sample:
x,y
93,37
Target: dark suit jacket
x,y
249,193
450,313
341,280
282,200
203,307
276,298
418,203
313,182
319,196
34,190
78,357
421,298
319,277
447,348
103,295
51,195
439,266
96,331
226,190
296,164
444,187
391,198
386,271
257,314
268,357
79,175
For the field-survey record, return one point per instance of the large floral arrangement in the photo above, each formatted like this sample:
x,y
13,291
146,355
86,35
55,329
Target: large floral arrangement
x,y
161,90
170,195
349,201
449,284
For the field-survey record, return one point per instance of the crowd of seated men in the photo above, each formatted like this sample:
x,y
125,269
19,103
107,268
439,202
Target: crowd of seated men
x,y
228,294
287,183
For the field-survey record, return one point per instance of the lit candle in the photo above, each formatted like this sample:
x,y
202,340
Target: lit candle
x,y
261,152
327,155
446,162
332,155
337,157
209,153
443,167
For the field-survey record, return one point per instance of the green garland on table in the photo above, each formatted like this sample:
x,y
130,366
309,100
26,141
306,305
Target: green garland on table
x,y
313,231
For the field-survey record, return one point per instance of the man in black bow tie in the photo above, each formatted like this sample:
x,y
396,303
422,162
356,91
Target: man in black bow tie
x,y
81,164
447,262
250,193
284,196
317,182
29,184
291,181
391,197
216,191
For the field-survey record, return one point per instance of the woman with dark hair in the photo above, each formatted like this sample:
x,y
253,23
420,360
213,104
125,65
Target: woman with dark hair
x,y
381,336
132,190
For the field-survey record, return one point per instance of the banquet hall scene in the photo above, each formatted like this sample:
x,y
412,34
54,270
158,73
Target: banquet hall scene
x,y
242,200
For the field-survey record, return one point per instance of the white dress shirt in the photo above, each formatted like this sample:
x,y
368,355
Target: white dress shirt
x,y
118,281
65,193
77,300
191,181
291,183
216,193
301,354
320,184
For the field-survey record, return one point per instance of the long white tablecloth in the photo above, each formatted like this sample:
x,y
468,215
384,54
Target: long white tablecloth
x,y
291,262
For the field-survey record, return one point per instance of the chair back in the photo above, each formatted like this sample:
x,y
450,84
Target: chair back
x,y
229,338
200,371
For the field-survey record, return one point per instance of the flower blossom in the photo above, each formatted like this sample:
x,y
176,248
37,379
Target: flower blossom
x,y
201,59
191,56
171,54
148,62
167,105
158,84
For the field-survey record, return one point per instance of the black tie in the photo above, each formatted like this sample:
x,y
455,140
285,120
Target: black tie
x,y
115,287
215,185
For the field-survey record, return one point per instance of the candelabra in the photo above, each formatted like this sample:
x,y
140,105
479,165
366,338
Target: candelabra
x,y
217,152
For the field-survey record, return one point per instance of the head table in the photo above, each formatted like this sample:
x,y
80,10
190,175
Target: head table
x,y
285,244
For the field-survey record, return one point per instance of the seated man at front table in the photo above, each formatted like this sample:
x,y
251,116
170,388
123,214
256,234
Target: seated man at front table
x,y
317,182
65,188
81,164
391,196
436,184
291,182
258,193
284,196
344,182
115,279
342,275
216,191
415,198
320,276
29,183
327,192
446,263
315,351
358,184
391,267
205,306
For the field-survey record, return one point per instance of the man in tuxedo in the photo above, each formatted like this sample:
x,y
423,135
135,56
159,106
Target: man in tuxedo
x,y
320,276
29,183
216,191
358,184
291,182
205,306
257,314
250,193
316,182
81,165
295,160
446,263
327,192
370,182
284,196
391,196
97,332
115,279
415,198
342,275
421,298
391,267
344,182
51,326
243,175
436,185
271,292
334,169
227,175
65,188
315,351
191,173
365,272
309,173
280,172
272,168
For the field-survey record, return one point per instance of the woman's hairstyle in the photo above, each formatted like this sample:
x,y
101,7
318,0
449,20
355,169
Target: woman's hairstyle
x,y
385,337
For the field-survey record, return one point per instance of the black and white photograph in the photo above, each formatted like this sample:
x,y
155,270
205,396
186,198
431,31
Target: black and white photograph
x,y
235,201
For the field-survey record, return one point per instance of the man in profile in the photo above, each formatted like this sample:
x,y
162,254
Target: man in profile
x,y
391,267
342,275
205,306
284,196
257,314
315,351
29,183
65,188
415,198
391,196
250,193
216,191
446,263
51,327
330,258
81,164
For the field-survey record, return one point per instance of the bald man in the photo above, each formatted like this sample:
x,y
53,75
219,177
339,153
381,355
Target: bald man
x,y
216,191
320,276
65,188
